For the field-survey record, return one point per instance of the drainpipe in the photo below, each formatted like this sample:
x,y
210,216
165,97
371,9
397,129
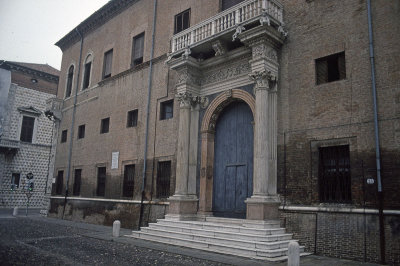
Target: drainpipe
x,y
148,114
71,135
377,147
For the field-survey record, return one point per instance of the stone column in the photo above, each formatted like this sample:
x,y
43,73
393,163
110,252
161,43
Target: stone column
x,y
264,42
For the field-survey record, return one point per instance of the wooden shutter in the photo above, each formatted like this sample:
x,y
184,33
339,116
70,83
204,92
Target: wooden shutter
x,y
108,63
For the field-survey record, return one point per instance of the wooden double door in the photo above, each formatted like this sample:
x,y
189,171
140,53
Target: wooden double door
x,y
233,161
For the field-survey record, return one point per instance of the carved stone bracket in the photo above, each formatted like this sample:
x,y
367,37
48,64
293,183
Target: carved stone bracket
x,y
264,80
238,30
264,19
282,30
218,48
186,53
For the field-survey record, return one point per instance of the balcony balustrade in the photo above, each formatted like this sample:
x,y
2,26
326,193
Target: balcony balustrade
x,y
239,15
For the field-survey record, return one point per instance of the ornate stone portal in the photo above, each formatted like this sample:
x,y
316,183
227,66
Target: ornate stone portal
x,y
264,42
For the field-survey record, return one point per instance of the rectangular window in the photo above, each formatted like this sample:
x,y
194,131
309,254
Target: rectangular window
x,y
163,179
107,64
229,3
64,136
137,49
105,125
101,181
81,131
330,68
77,182
129,176
86,75
27,126
59,182
167,110
132,118
334,174
15,178
182,21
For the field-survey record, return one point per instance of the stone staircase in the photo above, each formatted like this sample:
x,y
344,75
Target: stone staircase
x,y
264,240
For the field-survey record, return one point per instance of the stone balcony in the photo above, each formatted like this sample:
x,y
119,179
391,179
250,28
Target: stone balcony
x,y
53,108
220,32
8,145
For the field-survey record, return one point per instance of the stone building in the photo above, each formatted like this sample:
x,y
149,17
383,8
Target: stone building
x,y
256,109
25,132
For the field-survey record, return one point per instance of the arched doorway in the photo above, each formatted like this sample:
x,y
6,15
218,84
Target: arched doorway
x,y
233,160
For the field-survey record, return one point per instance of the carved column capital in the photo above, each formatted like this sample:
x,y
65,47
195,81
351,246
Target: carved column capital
x,y
264,80
186,99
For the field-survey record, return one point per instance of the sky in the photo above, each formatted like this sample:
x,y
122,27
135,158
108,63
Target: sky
x,y
30,28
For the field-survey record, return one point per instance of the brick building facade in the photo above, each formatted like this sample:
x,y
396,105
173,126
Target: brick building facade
x,y
26,133
147,90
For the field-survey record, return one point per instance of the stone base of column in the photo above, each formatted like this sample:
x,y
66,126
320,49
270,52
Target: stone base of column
x,y
182,207
263,208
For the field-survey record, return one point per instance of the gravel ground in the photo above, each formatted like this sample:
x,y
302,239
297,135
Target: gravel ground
x,y
26,241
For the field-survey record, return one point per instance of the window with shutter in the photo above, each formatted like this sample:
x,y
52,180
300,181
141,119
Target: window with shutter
x,y
137,49
86,74
28,124
330,68
107,64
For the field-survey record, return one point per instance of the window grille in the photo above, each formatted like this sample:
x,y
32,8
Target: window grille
x,y
129,176
64,136
101,181
59,182
28,124
334,174
132,118
15,179
81,131
167,110
330,68
105,125
163,179
77,182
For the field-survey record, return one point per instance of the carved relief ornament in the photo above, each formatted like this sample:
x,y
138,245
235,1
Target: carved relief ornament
x,y
187,76
263,80
187,99
263,50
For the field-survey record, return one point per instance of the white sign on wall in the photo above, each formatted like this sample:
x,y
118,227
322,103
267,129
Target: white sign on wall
x,y
114,160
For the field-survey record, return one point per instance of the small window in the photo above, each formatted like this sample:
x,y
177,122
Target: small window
x,y
81,131
86,73
167,110
105,125
107,64
15,179
59,182
137,49
132,118
101,181
129,176
163,179
330,68
229,3
334,174
28,124
64,136
77,182
70,78
182,21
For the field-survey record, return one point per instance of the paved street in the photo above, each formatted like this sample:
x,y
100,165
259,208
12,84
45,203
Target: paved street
x,y
35,240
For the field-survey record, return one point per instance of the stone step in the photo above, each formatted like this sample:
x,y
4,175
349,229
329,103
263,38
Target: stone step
x,y
229,235
219,240
222,227
245,222
226,248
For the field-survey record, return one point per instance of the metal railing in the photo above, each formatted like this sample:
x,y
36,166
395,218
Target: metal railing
x,y
227,20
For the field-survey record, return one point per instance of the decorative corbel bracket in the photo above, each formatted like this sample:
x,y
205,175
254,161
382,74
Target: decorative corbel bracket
x,y
238,30
282,30
186,53
218,48
264,19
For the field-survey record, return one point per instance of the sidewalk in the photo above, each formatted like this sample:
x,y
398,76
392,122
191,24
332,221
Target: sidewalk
x,y
104,233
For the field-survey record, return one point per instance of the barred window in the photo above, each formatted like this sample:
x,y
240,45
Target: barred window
x,y
101,181
167,110
81,131
15,179
334,174
132,118
128,185
163,179
59,182
330,68
77,182
64,136
105,125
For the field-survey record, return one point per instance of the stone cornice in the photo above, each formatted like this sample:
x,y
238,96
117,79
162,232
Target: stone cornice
x,y
97,19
